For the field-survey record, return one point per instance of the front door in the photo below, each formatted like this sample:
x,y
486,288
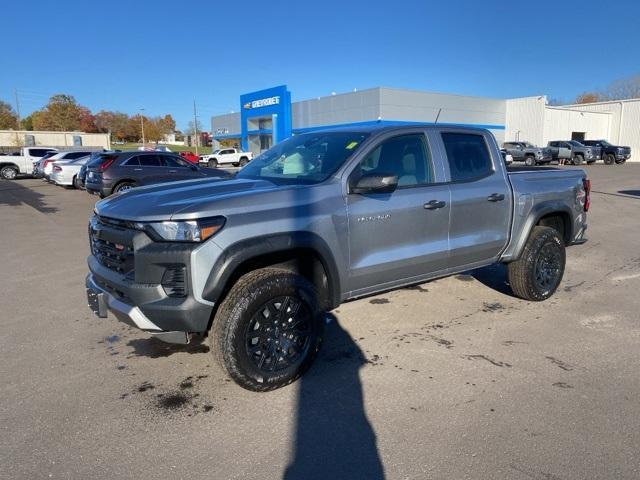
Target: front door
x,y
399,236
480,200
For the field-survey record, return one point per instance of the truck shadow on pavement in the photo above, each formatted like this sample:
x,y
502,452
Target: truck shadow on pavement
x,y
333,436
494,277
13,194
635,193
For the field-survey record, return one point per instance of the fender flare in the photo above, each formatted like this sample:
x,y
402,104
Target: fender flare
x,y
543,209
238,253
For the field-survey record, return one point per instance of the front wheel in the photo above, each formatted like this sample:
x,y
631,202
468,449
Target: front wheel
x,y
268,330
213,163
529,161
243,161
578,159
535,276
609,159
9,173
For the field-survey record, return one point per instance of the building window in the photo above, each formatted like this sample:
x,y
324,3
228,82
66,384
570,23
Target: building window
x,y
77,141
29,141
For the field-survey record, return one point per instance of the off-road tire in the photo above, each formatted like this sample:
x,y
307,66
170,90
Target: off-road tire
x,y
609,159
523,273
620,161
234,316
8,172
530,160
578,160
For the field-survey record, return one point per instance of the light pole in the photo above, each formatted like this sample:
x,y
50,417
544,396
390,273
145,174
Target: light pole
x,y
142,125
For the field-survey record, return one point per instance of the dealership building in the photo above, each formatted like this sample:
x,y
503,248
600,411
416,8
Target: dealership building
x,y
268,116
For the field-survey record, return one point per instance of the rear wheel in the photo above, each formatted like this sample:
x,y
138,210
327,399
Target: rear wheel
x,y
268,330
529,160
8,172
535,276
609,159
213,163
124,187
243,161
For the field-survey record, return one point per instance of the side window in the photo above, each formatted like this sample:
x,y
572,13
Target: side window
x,y
149,161
468,156
132,162
38,152
74,155
173,162
405,156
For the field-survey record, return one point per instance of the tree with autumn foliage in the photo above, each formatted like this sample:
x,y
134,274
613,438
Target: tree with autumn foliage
x,y
8,118
588,97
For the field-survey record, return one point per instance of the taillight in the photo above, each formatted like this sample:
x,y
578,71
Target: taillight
x,y
586,183
57,168
106,163
46,162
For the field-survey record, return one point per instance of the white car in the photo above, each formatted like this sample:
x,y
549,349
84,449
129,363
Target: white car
x,y
64,173
62,157
226,156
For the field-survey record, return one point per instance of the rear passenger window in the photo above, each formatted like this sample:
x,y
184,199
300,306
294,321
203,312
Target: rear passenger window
x,y
150,161
132,162
468,156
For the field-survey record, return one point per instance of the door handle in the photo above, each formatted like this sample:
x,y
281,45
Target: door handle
x,y
495,197
172,171
434,204
137,169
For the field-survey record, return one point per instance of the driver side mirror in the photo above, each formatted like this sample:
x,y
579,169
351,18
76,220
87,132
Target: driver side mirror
x,y
375,183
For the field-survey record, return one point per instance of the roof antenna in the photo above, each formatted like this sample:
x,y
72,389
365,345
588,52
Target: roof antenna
x,y
438,116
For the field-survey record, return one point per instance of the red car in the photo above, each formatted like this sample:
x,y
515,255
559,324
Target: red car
x,y
190,157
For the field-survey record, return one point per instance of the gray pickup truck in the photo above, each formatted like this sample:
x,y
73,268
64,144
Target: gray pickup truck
x,y
572,151
528,153
317,220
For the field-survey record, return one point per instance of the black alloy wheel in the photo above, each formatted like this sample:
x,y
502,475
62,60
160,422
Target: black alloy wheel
x,y
278,336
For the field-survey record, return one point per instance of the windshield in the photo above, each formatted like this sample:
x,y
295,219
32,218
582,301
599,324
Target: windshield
x,y
215,151
528,145
605,143
575,143
304,159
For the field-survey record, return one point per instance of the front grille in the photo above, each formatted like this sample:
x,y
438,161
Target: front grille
x,y
114,256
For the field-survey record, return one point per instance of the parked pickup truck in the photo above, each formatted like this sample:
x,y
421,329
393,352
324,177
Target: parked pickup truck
x,y
22,164
578,153
226,156
320,219
610,153
527,153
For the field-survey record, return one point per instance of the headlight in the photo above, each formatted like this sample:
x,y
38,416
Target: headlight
x,y
188,230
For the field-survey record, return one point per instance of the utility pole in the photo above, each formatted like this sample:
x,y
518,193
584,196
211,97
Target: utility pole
x,y
15,92
142,125
195,124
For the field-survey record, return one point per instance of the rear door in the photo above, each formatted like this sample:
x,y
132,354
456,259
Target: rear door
x,y
399,236
481,203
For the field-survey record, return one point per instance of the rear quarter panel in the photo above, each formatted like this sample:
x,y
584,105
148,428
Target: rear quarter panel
x,y
539,193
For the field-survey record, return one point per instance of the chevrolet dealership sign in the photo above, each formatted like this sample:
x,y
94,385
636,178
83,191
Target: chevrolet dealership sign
x,y
263,102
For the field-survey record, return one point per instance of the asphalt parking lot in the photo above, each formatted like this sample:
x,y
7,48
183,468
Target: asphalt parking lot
x,y
452,379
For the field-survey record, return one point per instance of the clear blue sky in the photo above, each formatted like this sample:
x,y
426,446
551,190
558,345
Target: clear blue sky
x,y
127,55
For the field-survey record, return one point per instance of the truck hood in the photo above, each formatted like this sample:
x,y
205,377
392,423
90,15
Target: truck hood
x,y
163,201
